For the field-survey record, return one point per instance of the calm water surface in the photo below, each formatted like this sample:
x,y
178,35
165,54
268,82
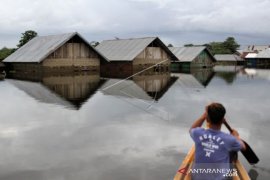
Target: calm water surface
x,y
87,127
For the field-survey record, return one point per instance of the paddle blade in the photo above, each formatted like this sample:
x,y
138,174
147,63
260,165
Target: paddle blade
x,y
249,154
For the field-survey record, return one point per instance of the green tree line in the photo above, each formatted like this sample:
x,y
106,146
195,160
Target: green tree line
x,y
26,36
229,46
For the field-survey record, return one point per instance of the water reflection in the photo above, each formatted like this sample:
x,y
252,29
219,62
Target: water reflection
x,y
122,132
68,90
197,78
227,73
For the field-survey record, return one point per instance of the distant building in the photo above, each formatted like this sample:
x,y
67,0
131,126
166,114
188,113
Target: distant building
x,y
192,57
55,53
131,55
228,59
252,49
262,59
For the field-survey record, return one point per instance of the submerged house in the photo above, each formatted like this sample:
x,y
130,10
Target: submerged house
x,y
62,52
262,59
228,59
130,55
192,57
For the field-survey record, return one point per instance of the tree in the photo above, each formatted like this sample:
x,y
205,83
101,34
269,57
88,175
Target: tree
x,y
188,45
26,36
5,52
231,44
94,43
170,45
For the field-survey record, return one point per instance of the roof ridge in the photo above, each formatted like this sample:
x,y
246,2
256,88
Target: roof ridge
x,y
119,39
51,35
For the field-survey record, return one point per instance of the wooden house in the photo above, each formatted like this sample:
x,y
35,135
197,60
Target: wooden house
x,y
192,57
65,52
228,59
131,55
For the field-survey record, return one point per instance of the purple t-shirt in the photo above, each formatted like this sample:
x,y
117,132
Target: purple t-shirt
x,y
213,146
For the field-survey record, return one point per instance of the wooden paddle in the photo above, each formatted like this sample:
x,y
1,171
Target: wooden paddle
x,y
248,152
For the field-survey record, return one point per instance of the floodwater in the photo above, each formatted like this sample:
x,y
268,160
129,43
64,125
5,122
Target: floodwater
x,y
83,126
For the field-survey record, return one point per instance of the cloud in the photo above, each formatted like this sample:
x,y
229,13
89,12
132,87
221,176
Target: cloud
x,y
99,20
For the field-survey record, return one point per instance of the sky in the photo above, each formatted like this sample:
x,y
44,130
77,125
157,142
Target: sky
x,y
177,22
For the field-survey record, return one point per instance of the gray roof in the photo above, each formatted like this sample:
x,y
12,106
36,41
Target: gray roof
x,y
127,49
40,47
187,54
227,57
264,54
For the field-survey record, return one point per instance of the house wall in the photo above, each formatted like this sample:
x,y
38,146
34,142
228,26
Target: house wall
x,y
202,60
258,62
226,63
116,69
77,55
150,56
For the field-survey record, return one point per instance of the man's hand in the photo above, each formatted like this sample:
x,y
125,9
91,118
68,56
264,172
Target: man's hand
x,y
235,133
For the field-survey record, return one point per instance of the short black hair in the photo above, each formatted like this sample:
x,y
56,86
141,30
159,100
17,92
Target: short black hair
x,y
216,112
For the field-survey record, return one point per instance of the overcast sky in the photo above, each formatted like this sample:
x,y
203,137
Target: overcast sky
x,y
175,21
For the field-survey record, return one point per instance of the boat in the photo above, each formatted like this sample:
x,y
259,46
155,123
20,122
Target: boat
x,y
182,173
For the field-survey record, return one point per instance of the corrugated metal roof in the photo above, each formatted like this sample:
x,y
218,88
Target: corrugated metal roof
x,y
187,54
264,54
227,57
126,49
251,55
37,49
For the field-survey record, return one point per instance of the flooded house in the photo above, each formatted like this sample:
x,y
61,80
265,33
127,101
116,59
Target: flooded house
x,y
127,56
252,49
261,59
192,57
64,52
228,60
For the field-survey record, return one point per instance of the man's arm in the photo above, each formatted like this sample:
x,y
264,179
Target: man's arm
x,y
199,121
236,135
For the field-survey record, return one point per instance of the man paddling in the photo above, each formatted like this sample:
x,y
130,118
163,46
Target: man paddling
x,y
213,148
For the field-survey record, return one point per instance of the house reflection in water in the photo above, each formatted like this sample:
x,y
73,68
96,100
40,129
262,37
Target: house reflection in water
x,y
227,73
70,91
142,91
146,86
197,78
